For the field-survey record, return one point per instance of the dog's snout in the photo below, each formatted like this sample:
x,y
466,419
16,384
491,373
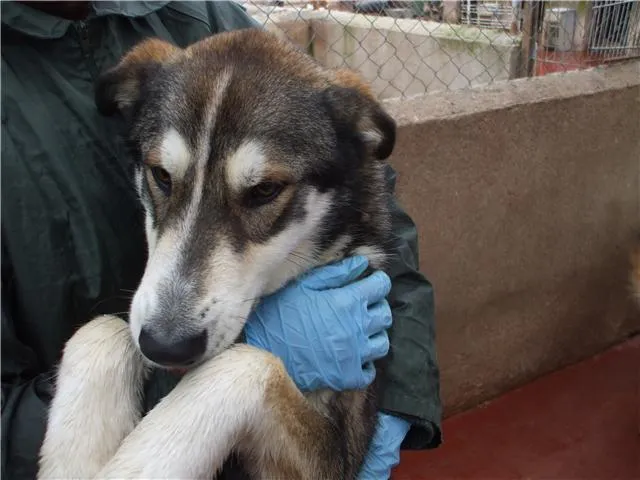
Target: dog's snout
x,y
172,352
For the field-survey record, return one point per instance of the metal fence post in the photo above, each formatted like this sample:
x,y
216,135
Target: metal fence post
x,y
533,11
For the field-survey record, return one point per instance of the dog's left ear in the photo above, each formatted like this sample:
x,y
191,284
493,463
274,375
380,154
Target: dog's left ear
x,y
355,107
118,89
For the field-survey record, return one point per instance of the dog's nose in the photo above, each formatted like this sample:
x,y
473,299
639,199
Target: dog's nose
x,y
180,352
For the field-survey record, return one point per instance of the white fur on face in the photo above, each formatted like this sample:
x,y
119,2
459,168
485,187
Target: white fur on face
x,y
246,166
174,158
375,254
162,264
236,280
166,250
150,231
174,154
273,259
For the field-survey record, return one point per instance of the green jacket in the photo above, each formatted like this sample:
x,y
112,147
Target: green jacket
x,y
72,233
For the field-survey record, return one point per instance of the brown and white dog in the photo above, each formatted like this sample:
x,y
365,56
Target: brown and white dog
x,y
254,165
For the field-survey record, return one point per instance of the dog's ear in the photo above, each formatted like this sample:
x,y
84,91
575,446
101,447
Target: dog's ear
x,y
355,107
118,88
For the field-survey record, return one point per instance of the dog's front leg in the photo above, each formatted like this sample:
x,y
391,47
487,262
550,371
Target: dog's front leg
x,y
242,399
96,402
193,430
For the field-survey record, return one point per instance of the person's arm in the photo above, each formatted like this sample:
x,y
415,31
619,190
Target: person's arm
x,y
226,16
25,398
410,407
25,393
410,377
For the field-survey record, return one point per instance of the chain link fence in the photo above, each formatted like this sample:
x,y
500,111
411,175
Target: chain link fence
x,y
406,48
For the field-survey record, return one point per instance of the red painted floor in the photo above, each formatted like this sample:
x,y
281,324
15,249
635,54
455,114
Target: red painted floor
x,y
582,422
549,61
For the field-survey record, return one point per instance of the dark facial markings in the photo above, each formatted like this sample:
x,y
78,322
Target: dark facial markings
x,y
162,179
296,123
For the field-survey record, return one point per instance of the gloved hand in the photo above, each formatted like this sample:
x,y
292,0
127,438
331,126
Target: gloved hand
x,y
384,450
327,328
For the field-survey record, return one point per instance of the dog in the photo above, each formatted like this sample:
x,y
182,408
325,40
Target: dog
x,y
254,164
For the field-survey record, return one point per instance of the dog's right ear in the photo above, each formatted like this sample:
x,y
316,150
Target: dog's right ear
x,y
354,105
118,89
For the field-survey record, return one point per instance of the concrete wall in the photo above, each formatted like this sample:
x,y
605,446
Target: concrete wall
x,y
399,56
525,195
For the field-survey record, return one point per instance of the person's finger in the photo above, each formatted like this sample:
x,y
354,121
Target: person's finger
x,y
373,288
368,375
379,318
377,347
335,275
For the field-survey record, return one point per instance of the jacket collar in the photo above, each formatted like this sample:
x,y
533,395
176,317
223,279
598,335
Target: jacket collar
x,y
35,23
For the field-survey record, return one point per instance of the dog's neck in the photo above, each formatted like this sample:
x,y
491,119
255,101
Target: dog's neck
x,y
298,262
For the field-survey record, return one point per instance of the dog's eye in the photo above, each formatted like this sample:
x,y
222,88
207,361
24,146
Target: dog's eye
x,y
264,193
162,178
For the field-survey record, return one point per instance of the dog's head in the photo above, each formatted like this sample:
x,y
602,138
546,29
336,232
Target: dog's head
x,y
255,165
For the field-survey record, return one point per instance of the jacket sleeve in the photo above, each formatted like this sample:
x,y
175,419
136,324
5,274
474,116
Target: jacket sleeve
x,y
410,377
25,394
227,16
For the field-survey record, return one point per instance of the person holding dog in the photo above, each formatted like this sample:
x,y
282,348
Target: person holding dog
x,y
73,239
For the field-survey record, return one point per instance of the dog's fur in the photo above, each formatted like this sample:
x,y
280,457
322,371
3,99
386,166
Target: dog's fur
x,y
215,127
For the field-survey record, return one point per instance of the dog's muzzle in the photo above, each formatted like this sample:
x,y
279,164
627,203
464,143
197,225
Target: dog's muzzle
x,y
174,351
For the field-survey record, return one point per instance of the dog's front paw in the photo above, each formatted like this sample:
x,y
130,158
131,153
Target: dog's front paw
x,y
97,345
96,402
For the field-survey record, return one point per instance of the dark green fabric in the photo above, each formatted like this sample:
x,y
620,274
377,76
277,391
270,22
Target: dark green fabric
x,y
72,231
410,373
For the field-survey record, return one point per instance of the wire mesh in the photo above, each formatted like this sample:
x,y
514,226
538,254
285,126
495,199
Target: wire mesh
x,y
406,48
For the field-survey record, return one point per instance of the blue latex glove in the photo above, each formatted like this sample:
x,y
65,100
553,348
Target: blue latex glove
x,y
384,451
327,328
